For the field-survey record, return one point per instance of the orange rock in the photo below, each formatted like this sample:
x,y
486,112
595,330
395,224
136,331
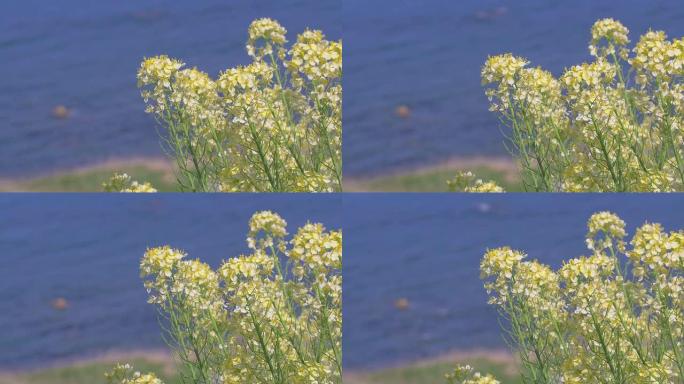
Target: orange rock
x,y
61,112
401,304
403,111
60,304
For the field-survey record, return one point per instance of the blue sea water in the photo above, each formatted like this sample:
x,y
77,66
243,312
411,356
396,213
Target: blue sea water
x,y
85,54
427,248
86,248
427,55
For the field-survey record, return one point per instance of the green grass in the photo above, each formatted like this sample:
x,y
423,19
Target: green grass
x,y
431,181
91,180
89,373
433,373
419,373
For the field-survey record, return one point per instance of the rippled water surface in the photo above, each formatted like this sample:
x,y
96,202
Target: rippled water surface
x,y
86,249
427,55
84,55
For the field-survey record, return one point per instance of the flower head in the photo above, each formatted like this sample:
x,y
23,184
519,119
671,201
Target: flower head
x,y
606,229
606,35
264,34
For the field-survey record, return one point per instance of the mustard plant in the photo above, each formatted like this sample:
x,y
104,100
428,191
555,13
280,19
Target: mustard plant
x,y
613,124
272,125
614,316
272,316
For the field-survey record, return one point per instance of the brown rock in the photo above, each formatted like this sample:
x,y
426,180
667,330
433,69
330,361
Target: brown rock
x,y
61,112
60,304
401,304
403,111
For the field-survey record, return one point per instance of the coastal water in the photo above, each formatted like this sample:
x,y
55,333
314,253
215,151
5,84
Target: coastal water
x,y
84,55
426,249
427,56
86,249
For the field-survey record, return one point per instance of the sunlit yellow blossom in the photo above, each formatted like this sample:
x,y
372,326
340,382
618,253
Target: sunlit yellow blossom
x,y
267,32
124,374
263,227
466,182
121,182
466,375
502,69
315,58
481,186
588,76
244,79
605,230
606,35
657,59
317,249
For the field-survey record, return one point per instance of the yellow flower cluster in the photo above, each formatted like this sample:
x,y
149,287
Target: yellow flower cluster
x,y
123,374
656,58
502,69
315,58
655,253
604,229
466,375
596,319
269,33
273,316
609,32
272,125
121,182
467,182
614,124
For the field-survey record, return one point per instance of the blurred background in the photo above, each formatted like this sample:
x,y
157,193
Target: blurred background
x,y
413,300
69,278
414,109
69,98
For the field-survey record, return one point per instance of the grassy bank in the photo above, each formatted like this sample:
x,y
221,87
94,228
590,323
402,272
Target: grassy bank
x,y
93,371
431,371
159,172
499,363
434,178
